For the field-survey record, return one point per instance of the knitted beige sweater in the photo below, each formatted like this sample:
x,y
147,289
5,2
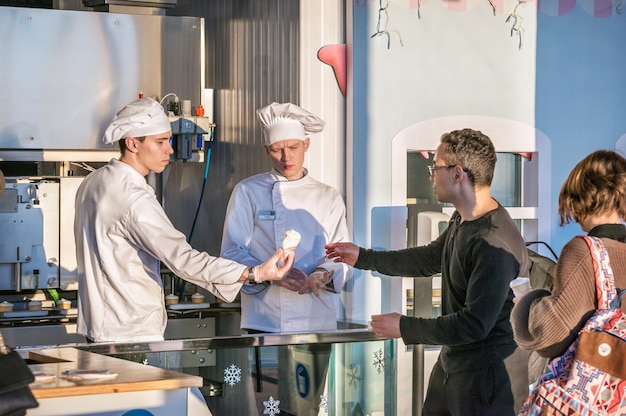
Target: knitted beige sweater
x,y
548,323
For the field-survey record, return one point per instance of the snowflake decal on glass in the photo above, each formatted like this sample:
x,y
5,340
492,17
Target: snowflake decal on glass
x,y
379,361
324,403
271,407
232,375
353,376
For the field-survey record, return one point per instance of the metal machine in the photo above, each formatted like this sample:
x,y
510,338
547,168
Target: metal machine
x,y
36,222
66,73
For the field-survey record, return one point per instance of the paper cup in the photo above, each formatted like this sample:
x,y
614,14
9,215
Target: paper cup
x,y
520,286
6,306
186,108
171,300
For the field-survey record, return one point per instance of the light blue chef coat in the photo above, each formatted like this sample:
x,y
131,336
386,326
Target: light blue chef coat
x,y
260,210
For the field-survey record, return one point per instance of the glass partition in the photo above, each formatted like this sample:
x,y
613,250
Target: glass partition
x,y
347,372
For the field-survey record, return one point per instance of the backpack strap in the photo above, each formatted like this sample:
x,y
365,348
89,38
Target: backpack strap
x,y
617,302
605,282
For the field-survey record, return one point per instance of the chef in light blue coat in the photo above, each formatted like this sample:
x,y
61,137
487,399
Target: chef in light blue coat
x,y
123,234
263,207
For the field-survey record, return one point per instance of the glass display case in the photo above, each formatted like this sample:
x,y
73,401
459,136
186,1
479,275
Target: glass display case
x,y
349,371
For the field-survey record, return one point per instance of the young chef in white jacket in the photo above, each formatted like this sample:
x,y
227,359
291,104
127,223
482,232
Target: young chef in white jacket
x,y
122,234
261,209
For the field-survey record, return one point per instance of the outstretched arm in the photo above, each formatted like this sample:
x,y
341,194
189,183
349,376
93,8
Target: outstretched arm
x,y
345,252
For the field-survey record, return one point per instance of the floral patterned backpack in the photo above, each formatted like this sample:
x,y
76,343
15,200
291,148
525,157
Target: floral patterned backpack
x,y
590,377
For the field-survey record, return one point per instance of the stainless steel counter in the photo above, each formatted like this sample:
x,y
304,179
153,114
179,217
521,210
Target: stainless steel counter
x,y
346,332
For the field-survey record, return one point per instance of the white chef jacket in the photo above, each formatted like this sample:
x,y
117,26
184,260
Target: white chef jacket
x,y
122,233
260,210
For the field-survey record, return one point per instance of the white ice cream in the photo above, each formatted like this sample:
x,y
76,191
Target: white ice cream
x,y
291,240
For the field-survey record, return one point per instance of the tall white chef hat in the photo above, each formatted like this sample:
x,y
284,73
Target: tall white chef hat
x,y
287,121
142,117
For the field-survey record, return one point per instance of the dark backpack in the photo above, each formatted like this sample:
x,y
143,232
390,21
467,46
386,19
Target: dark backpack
x,y
541,271
541,274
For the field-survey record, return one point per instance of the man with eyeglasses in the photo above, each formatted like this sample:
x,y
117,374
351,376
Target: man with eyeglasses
x,y
432,169
478,255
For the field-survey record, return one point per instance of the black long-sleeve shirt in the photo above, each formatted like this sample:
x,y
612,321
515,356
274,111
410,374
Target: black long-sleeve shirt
x,y
477,261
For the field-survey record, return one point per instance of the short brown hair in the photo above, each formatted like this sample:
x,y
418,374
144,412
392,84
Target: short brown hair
x,y
122,143
596,185
472,150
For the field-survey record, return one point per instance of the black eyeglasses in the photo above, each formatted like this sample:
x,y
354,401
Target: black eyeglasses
x,y
432,169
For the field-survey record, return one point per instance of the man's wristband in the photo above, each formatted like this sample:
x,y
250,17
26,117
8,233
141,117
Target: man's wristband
x,y
253,277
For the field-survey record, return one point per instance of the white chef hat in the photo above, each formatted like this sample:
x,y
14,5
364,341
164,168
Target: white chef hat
x,y
142,117
287,121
